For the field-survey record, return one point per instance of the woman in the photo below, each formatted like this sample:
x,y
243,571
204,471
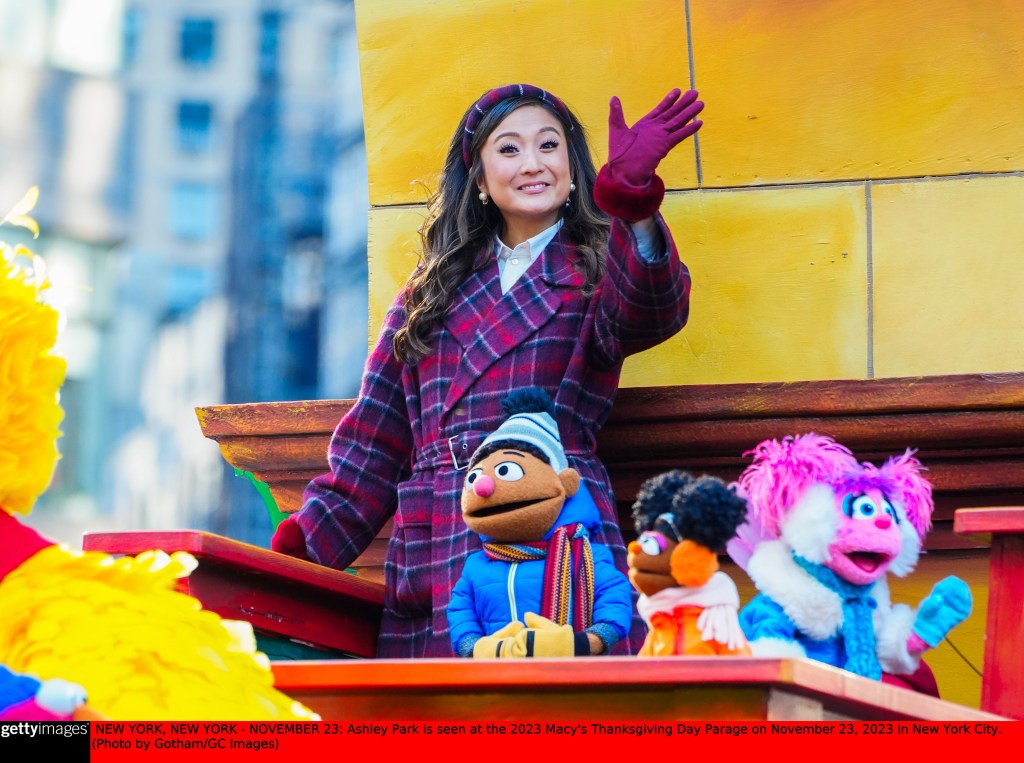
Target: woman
x,y
524,281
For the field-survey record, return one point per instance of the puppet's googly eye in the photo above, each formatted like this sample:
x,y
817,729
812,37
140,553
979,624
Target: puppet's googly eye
x,y
509,471
862,507
652,544
471,477
890,510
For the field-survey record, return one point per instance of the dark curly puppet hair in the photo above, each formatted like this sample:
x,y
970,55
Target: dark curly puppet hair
x,y
702,509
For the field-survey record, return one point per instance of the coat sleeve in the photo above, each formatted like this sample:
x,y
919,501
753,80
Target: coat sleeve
x,y
613,597
640,303
462,618
370,452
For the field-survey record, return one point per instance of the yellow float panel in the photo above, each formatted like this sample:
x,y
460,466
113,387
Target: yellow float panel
x,y
779,288
949,275
423,64
819,90
393,241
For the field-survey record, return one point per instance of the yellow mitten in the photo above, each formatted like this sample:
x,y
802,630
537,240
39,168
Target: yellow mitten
x,y
500,643
544,638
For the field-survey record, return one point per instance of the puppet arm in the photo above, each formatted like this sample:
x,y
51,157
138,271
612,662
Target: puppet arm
x,y
464,626
769,630
894,637
613,604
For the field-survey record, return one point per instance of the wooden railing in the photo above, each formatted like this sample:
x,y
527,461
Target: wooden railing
x,y
968,431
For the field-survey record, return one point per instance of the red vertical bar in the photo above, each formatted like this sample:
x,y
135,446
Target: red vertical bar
x,y
1002,684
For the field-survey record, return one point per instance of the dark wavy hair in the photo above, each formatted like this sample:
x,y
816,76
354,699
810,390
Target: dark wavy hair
x,y
460,229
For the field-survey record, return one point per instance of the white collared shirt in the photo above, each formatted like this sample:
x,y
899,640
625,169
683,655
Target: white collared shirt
x,y
512,263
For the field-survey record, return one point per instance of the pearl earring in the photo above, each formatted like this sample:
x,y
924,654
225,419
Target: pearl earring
x,y
483,197
572,186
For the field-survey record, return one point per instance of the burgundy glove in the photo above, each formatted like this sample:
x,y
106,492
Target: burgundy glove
x,y
288,539
635,152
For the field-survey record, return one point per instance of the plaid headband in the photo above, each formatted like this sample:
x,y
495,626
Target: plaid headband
x,y
492,98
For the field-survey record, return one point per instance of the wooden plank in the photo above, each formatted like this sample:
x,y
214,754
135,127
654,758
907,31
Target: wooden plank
x,y
278,595
984,522
624,688
968,429
1002,687
1002,683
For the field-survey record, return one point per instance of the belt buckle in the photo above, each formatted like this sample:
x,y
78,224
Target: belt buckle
x,y
455,458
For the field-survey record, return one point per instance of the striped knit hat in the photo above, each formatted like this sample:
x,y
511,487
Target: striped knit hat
x,y
532,424
492,98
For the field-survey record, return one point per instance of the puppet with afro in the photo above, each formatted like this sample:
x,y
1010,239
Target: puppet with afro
x,y
690,605
539,587
823,533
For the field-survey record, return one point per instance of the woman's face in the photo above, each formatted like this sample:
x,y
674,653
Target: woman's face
x,y
526,171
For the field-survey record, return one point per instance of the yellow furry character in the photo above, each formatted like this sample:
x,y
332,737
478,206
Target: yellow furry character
x,y
115,626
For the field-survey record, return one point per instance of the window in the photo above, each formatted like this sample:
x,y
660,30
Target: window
x,y
192,211
198,39
131,32
195,126
270,31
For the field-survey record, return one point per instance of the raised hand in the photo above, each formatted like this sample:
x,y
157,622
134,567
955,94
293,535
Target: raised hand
x,y
948,605
635,152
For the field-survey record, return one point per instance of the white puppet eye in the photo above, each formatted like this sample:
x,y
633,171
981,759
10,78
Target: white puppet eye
x,y
509,471
652,544
864,507
471,478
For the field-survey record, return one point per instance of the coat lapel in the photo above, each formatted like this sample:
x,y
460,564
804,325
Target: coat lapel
x,y
489,325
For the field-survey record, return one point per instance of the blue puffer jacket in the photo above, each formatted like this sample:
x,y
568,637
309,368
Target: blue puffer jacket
x,y
491,593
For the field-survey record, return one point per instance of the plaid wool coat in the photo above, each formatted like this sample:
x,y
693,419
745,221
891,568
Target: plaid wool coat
x,y
402,448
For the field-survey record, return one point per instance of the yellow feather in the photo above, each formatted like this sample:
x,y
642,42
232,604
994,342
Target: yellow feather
x,y
142,650
116,626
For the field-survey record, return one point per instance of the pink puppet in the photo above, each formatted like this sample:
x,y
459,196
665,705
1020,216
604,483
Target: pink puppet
x,y
823,531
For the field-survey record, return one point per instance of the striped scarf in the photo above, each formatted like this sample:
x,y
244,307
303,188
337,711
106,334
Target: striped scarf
x,y
568,573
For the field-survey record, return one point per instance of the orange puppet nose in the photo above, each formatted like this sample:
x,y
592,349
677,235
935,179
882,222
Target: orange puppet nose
x,y
483,486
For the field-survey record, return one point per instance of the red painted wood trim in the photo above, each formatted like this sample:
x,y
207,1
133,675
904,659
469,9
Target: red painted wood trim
x,y
593,687
969,430
226,551
277,594
1002,681
1002,686
985,522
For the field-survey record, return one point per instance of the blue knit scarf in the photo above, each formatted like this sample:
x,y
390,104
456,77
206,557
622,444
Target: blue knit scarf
x,y
858,627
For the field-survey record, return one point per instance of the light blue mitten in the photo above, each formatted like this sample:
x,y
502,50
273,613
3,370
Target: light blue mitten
x,y
948,605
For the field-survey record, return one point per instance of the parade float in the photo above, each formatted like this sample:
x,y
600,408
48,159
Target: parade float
x,y
849,215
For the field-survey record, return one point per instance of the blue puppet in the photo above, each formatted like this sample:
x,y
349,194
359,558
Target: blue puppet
x,y
823,533
539,587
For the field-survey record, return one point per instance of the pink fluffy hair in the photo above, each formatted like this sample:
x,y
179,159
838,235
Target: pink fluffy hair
x,y
782,470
